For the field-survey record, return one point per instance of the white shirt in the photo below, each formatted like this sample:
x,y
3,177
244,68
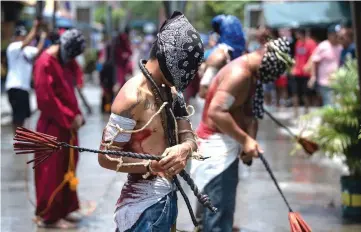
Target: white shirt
x,y
20,66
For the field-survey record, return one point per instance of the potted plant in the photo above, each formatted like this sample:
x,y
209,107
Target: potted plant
x,y
338,134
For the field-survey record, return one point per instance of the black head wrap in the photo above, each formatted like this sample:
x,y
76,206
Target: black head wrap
x,y
72,44
20,31
179,50
275,62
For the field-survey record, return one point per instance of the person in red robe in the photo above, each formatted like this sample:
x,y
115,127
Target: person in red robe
x,y
123,54
55,180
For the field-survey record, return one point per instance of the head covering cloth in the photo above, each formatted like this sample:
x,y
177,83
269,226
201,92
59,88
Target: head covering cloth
x,y
20,31
275,62
72,44
179,50
231,33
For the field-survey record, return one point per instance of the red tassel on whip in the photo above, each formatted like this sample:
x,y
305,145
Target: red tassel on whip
x,y
309,146
296,221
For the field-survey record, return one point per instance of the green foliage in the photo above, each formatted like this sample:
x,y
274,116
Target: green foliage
x,y
143,9
101,14
339,132
202,19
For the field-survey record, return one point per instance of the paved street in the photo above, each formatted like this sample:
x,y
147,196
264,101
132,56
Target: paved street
x,y
310,184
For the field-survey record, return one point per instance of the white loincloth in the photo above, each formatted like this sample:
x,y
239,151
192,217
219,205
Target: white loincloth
x,y
222,150
137,197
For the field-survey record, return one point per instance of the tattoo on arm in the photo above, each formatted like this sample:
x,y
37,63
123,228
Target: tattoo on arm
x,y
129,112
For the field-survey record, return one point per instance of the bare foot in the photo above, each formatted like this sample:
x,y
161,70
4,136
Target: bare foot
x,y
86,209
60,224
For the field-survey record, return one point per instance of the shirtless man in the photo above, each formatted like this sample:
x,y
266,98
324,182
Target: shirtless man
x,y
233,105
230,45
148,201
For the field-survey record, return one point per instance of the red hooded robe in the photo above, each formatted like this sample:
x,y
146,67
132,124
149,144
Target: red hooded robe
x,y
58,106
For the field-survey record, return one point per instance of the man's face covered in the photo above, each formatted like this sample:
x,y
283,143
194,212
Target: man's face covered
x,y
72,44
274,63
179,51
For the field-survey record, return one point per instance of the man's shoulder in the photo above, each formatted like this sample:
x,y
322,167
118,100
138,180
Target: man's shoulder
x,y
14,46
217,58
128,98
131,89
134,82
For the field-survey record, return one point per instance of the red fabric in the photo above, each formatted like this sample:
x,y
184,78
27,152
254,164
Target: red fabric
x,y
282,81
58,107
74,70
203,131
123,53
303,51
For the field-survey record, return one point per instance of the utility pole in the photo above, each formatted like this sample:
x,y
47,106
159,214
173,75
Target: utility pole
x,y
356,22
171,6
54,15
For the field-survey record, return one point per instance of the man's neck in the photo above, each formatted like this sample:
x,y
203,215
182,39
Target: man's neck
x,y
153,68
255,61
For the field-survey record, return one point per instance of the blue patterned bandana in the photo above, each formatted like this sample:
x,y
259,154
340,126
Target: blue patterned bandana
x,y
231,33
179,51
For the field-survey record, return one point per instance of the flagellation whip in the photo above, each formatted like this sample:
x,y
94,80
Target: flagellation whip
x,y
28,141
297,223
309,146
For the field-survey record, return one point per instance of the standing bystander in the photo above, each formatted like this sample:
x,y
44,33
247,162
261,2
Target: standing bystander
x,y
20,58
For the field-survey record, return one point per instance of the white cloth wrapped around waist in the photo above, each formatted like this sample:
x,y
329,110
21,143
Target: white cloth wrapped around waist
x,y
137,196
222,150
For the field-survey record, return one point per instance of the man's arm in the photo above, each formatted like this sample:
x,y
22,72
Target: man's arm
x,y
31,35
125,106
213,64
252,128
186,134
41,43
236,85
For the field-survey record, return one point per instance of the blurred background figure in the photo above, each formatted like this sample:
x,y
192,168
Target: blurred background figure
x,y
347,41
122,56
230,45
211,44
20,59
326,60
107,82
146,45
304,48
55,75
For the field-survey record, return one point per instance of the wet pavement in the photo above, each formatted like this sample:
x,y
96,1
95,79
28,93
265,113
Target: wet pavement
x,y
310,184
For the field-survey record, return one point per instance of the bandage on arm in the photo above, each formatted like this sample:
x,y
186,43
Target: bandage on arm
x,y
208,76
206,80
113,133
116,135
